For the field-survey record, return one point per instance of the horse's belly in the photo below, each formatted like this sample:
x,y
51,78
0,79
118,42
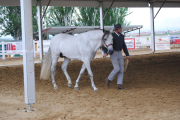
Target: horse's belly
x,y
72,57
71,53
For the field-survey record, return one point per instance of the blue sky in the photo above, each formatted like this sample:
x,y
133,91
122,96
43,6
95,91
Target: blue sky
x,y
167,18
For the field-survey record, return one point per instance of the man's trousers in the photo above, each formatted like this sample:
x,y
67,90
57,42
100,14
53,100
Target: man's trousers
x,y
118,64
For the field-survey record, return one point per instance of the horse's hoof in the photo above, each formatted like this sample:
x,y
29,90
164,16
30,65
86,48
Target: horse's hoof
x,y
56,88
76,88
70,85
96,89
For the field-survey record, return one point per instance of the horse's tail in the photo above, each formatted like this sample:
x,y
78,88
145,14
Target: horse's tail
x,y
46,66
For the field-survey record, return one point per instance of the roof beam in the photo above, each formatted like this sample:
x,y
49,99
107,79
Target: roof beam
x,y
159,9
69,30
46,9
108,9
151,1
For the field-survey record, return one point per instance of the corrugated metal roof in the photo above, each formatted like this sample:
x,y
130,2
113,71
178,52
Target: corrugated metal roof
x,y
80,29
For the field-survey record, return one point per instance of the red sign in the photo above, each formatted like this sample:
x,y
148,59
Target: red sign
x,y
130,43
177,41
11,47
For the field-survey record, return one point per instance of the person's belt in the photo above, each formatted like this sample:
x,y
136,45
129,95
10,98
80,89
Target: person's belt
x,y
118,50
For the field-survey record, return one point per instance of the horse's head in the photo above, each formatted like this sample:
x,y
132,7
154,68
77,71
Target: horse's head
x,y
108,41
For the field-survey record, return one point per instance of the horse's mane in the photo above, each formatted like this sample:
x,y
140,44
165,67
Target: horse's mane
x,y
89,31
105,33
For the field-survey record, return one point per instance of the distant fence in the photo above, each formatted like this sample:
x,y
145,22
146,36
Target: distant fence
x,y
46,44
175,41
10,48
161,42
130,43
16,48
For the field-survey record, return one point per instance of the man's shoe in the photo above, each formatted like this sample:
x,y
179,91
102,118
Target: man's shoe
x,y
107,82
120,87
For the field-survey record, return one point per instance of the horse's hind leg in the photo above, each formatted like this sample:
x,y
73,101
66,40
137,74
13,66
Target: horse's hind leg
x,y
76,87
53,69
64,68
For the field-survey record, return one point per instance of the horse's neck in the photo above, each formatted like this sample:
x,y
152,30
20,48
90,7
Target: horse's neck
x,y
97,41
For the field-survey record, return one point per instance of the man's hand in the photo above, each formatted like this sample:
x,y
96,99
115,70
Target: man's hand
x,y
105,54
127,57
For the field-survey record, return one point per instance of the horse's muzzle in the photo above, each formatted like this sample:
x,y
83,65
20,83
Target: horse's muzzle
x,y
111,52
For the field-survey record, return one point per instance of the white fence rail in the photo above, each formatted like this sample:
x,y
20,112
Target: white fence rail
x,y
14,48
46,44
11,48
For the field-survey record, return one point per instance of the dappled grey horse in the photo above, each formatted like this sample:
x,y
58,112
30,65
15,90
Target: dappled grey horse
x,y
80,47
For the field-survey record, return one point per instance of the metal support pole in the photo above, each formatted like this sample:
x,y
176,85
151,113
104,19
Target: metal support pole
x,y
45,9
3,50
40,29
159,9
152,27
108,9
47,34
101,16
28,52
34,48
139,31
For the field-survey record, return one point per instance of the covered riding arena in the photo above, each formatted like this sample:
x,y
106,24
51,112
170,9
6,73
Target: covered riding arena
x,y
152,83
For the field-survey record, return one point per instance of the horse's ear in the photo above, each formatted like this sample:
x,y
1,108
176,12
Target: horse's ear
x,y
112,30
102,30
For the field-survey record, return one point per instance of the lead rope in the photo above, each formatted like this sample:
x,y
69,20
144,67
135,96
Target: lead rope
x,y
126,64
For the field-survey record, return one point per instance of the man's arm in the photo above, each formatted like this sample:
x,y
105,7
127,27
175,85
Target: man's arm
x,y
125,49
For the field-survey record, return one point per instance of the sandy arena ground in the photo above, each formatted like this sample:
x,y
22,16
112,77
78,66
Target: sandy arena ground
x,y
152,83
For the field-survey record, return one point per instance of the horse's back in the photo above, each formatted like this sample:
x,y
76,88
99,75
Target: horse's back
x,y
65,44
74,47
61,37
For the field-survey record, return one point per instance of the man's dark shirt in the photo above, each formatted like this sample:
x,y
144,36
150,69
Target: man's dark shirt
x,y
118,44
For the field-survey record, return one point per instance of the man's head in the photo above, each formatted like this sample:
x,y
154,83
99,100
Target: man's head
x,y
118,28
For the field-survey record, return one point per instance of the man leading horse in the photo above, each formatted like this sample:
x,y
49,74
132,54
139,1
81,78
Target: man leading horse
x,y
117,58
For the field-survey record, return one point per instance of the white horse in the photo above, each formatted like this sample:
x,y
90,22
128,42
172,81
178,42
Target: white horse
x,y
80,47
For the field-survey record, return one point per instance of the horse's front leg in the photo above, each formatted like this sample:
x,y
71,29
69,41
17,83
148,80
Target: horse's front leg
x,y
64,68
87,64
53,69
76,87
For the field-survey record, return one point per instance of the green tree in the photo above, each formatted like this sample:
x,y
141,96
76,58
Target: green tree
x,y
83,16
58,16
34,19
90,16
10,21
116,15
